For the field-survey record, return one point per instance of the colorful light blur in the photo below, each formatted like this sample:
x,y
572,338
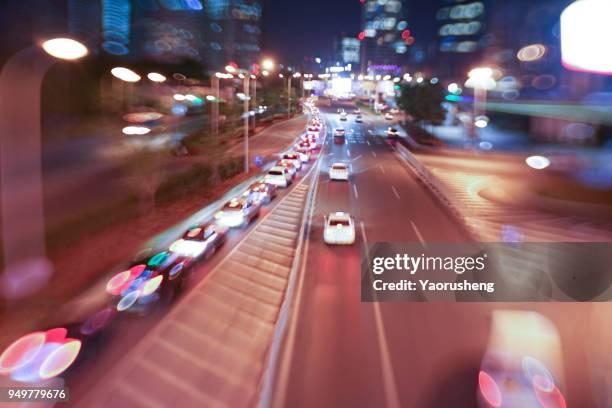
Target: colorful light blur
x,y
531,53
119,282
60,359
39,356
155,77
537,162
489,390
585,36
125,74
151,285
65,48
136,130
21,352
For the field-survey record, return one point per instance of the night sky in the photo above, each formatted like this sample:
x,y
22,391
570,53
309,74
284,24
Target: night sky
x,y
298,28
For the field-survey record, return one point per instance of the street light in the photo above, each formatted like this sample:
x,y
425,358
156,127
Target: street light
x,y
125,74
22,221
267,64
231,69
65,48
155,77
481,80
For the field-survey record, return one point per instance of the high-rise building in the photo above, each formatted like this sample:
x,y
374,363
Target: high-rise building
x,y
385,36
212,32
461,36
347,50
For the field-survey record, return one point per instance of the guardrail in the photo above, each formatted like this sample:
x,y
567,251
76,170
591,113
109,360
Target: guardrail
x,y
438,189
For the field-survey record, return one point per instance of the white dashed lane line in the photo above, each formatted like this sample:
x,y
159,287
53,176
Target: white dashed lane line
x,y
395,192
355,191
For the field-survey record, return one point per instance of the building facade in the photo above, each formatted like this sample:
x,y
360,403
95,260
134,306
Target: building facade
x,y
385,36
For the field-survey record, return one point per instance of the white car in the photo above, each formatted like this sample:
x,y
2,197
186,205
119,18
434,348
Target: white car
x,y
279,176
357,111
339,229
388,116
339,171
294,157
343,116
339,132
359,119
395,111
288,164
392,132
304,153
238,212
313,130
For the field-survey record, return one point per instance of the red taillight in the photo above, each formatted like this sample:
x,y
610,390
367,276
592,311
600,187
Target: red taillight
x,y
489,390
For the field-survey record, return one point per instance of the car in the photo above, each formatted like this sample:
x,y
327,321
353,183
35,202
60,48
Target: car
x,y
389,116
359,119
313,142
294,157
339,132
238,212
288,164
394,111
313,130
343,116
261,191
339,229
305,144
339,171
200,241
392,132
304,154
357,111
279,176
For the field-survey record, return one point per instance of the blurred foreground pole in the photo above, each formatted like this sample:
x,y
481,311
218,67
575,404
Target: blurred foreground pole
x,y
26,268
247,117
23,234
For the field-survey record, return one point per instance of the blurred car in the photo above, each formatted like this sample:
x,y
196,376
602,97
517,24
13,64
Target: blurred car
x,y
359,119
394,111
343,116
518,371
357,111
289,165
388,116
339,132
279,176
392,132
339,229
261,191
294,157
238,212
314,144
339,171
200,241
313,130
304,153
306,144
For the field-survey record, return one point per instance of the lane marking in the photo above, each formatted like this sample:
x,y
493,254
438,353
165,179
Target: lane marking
x,y
395,192
391,395
368,142
356,158
418,234
382,169
373,153
348,152
355,190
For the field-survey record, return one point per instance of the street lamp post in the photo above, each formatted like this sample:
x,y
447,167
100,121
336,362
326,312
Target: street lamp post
x,y
481,80
23,234
289,96
247,78
254,104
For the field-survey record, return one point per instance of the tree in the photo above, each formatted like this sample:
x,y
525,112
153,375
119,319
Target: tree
x,y
423,102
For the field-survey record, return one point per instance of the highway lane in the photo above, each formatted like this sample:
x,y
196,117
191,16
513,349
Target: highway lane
x,y
337,344
346,353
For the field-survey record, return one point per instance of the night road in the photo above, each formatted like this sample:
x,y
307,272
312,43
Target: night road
x,y
283,204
